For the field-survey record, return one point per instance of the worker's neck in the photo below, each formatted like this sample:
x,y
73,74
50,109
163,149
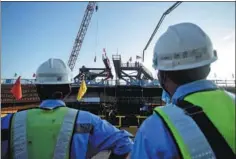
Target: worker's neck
x,y
171,88
57,95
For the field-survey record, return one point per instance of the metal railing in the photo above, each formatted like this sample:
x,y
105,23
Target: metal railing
x,y
137,65
224,83
132,65
146,70
12,81
113,99
143,83
99,82
147,100
116,57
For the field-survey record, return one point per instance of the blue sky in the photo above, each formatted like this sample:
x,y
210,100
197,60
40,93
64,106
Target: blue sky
x,y
33,32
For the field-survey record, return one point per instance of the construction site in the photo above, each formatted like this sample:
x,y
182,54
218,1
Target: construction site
x,y
121,94
118,96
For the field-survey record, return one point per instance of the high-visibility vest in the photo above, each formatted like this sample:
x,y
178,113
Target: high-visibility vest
x,y
191,137
42,134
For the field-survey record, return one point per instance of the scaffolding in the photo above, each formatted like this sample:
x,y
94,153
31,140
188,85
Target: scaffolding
x,y
141,72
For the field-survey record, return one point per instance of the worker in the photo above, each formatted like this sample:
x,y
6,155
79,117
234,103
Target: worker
x,y
53,130
200,121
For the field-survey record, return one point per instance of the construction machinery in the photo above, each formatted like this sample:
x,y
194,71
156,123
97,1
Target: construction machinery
x,y
175,5
91,7
93,74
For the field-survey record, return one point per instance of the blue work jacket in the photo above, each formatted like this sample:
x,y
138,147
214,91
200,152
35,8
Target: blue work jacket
x,y
153,140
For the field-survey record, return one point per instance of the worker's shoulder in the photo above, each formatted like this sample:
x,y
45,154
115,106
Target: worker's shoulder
x,y
153,126
87,113
87,117
157,135
153,133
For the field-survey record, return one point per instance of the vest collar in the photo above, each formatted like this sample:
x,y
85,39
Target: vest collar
x,y
192,87
52,104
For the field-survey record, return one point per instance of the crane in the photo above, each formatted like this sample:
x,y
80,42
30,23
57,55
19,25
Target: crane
x,y
81,33
159,23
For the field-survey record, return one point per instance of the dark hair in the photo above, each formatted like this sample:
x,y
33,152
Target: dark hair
x,y
186,76
53,91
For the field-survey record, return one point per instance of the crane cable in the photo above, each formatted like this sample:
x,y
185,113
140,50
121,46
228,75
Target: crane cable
x,y
96,45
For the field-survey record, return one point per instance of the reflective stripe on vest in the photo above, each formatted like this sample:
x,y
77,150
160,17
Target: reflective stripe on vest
x,y
190,139
19,143
231,95
64,137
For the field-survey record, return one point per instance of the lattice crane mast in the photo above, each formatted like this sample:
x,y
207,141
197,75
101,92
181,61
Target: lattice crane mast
x,y
81,33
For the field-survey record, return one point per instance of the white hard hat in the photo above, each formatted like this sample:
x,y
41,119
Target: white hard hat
x,y
53,71
183,46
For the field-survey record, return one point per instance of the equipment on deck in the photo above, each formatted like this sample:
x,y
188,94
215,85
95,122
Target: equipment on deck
x,y
123,70
94,73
